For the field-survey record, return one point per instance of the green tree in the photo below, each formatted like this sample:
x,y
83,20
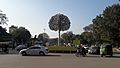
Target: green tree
x,y
68,37
21,35
87,38
100,30
3,34
106,26
65,37
88,28
3,18
43,37
12,29
59,22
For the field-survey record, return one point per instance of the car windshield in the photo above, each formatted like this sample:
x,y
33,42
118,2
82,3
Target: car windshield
x,y
34,48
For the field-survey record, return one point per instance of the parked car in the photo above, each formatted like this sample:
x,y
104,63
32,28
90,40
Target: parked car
x,y
34,50
106,49
20,47
94,50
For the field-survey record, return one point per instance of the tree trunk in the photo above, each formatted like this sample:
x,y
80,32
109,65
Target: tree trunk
x,y
59,39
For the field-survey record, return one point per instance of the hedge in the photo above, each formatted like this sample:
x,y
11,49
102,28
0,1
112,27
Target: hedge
x,y
61,49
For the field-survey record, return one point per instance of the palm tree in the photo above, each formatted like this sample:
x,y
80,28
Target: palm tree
x,y
59,22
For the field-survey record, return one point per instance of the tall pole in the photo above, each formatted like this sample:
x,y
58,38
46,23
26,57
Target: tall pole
x,y
59,38
59,34
59,28
44,30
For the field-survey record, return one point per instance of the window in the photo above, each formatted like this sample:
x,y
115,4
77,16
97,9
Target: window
x,y
34,48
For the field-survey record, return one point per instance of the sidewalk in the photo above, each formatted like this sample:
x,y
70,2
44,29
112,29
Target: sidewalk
x,y
11,51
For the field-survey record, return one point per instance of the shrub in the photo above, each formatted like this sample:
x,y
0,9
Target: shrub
x,y
61,49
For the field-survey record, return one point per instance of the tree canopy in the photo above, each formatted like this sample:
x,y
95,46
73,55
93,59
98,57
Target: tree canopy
x,y
68,37
106,26
59,22
3,18
3,34
43,37
21,35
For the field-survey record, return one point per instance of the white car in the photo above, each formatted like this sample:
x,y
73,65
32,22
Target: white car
x,y
34,50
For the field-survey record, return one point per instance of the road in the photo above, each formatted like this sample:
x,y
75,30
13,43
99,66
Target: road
x,y
58,61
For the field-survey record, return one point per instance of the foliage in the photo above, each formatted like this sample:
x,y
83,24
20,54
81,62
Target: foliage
x,y
107,25
3,18
2,31
62,49
59,22
3,34
68,37
100,29
21,35
76,42
87,38
43,37
12,29
88,28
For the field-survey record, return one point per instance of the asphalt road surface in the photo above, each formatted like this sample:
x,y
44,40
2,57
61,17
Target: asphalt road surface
x,y
58,61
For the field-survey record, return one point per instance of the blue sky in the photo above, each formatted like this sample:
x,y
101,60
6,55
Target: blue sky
x,y
34,15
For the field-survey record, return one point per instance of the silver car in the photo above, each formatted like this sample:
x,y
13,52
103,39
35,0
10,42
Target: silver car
x,y
34,50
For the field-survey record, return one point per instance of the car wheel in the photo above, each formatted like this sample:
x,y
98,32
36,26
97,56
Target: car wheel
x,y
41,53
24,53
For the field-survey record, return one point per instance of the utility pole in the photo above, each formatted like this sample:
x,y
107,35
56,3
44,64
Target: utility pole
x,y
44,30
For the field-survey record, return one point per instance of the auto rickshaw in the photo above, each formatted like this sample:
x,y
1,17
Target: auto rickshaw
x,y
106,49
